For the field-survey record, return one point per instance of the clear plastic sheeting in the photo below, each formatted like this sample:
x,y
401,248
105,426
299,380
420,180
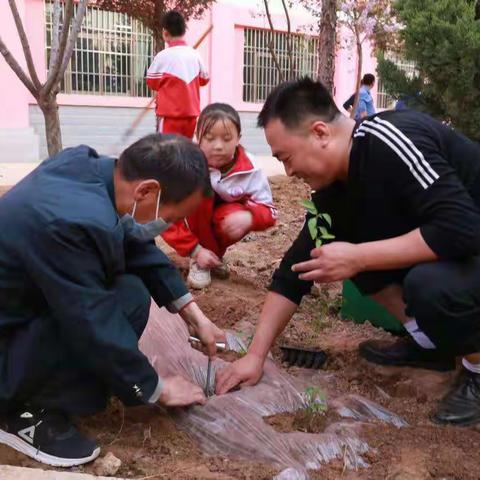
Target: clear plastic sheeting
x,y
231,425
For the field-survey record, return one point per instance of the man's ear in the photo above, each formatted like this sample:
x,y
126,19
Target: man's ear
x,y
321,131
146,188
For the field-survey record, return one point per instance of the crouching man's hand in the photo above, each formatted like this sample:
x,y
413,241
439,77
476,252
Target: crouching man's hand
x,y
200,326
330,263
247,370
178,392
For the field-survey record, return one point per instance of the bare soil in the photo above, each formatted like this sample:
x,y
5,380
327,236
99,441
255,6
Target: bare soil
x,y
150,445
302,421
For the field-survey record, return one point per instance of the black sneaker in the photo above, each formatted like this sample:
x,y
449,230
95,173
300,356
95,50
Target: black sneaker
x,y
48,437
404,352
461,406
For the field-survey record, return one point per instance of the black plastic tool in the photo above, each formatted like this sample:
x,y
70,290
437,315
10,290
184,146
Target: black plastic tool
x,y
302,357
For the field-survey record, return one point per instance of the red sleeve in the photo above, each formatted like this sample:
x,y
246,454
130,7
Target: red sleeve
x,y
263,216
154,83
181,238
203,81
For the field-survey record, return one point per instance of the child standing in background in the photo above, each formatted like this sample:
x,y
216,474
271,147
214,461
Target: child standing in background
x,y
176,74
241,203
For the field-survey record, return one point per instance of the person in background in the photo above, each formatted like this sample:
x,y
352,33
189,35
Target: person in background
x,y
176,74
241,202
365,106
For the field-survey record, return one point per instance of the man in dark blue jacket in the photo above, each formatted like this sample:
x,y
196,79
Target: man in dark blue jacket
x,y
76,276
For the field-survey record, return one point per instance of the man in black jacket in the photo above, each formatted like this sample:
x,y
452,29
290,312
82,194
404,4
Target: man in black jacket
x,y
403,195
78,265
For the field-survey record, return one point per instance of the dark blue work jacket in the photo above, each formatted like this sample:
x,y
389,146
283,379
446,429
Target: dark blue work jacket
x,y
61,248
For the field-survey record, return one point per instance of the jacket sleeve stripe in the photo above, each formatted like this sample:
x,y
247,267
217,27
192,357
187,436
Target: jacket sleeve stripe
x,y
410,144
405,149
399,152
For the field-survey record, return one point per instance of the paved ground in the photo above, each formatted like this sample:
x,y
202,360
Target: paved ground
x,y
23,473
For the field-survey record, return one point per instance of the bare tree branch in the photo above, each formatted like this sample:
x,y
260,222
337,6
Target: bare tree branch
x,y
17,68
25,44
57,8
77,25
270,43
289,40
53,72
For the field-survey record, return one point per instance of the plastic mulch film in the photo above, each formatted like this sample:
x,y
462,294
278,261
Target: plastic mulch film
x,y
231,425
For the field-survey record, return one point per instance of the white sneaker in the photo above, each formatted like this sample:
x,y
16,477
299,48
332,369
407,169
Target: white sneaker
x,y
198,277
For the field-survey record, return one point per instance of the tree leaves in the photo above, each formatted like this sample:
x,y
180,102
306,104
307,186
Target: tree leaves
x,y
310,206
312,226
327,218
442,38
319,233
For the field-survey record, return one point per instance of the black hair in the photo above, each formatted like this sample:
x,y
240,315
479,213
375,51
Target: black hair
x,y
174,23
174,161
368,79
214,112
294,101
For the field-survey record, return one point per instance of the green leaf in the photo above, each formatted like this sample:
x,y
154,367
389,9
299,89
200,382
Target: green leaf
x,y
312,226
328,236
327,218
310,206
325,235
318,243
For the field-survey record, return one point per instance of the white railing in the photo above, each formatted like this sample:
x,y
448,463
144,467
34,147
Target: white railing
x,y
260,75
111,57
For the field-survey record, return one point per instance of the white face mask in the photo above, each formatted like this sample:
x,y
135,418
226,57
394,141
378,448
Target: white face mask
x,y
144,232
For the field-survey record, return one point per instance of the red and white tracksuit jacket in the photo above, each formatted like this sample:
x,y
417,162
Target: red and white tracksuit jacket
x,y
244,187
176,74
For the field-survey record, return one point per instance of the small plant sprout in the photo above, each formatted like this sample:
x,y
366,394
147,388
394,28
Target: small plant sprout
x,y
318,232
315,400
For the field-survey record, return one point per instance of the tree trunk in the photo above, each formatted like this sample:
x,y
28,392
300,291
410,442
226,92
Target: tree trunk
x,y
327,42
158,42
159,12
49,109
359,74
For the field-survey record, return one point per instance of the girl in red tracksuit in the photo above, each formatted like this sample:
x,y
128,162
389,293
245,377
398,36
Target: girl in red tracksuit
x,y
241,203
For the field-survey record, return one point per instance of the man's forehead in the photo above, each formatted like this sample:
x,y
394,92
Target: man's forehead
x,y
275,131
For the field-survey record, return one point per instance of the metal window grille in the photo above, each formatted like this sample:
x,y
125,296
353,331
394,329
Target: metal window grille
x,y
260,75
384,100
111,56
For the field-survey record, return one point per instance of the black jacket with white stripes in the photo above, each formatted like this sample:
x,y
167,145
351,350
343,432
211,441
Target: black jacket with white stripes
x,y
406,171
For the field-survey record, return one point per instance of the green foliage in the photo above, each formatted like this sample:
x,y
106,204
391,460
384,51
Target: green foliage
x,y
318,232
315,400
442,37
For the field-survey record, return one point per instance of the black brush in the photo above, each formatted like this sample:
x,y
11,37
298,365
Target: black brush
x,y
302,357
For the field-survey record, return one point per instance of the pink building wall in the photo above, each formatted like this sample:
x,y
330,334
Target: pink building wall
x,y
13,95
222,51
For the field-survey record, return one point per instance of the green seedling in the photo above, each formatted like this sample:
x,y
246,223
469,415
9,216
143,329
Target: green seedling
x,y
315,400
318,231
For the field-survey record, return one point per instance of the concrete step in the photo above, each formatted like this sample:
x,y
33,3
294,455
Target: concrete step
x,y
23,473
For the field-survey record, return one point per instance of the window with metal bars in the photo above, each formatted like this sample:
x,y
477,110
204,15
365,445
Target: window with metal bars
x,y
384,100
111,55
260,74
